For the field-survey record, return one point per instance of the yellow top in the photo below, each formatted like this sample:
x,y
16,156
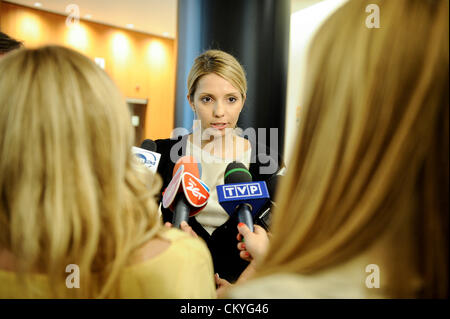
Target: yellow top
x,y
183,270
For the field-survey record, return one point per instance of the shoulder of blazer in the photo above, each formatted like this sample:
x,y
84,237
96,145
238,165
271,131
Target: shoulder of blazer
x,y
163,146
265,161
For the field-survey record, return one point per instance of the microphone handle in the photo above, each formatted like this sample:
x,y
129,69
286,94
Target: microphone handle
x,y
181,212
244,215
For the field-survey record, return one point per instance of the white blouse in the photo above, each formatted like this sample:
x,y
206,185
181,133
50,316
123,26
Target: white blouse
x,y
213,169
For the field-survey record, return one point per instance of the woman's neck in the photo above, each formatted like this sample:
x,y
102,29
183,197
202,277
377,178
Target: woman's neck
x,y
222,141
227,146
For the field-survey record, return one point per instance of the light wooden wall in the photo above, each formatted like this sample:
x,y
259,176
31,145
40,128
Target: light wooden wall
x,y
143,66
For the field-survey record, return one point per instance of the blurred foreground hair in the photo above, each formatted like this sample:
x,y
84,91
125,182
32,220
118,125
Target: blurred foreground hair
x,y
70,189
8,44
371,162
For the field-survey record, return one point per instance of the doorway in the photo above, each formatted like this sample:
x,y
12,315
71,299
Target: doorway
x,y
138,109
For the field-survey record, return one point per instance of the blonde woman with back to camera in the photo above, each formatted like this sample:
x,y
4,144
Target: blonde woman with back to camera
x,y
363,211
74,197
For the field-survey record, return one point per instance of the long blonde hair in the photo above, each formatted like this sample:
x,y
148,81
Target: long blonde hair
x,y
372,154
70,189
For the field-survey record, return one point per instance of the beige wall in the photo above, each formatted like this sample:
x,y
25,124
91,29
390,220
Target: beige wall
x,y
143,66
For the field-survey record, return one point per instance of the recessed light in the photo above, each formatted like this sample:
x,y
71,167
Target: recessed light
x,y
38,4
166,34
88,16
130,26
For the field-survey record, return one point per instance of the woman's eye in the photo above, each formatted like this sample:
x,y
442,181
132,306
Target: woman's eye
x,y
206,99
232,99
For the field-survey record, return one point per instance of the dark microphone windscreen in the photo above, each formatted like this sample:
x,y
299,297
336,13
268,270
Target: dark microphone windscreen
x,y
149,145
236,172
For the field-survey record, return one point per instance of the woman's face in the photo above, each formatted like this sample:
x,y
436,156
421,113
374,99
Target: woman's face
x,y
217,104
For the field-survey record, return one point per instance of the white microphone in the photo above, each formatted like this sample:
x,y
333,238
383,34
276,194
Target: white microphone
x,y
147,154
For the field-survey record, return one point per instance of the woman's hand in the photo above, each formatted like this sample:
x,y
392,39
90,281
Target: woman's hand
x,y
222,286
184,227
255,245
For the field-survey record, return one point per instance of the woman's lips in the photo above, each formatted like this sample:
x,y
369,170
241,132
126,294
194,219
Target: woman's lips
x,y
219,126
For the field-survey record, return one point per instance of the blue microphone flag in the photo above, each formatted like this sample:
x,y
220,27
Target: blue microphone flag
x,y
232,195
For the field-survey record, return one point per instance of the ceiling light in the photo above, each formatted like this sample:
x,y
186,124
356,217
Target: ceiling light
x,y
130,26
38,4
166,34
88,16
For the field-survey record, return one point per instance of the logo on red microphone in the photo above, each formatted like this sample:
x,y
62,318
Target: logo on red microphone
x,y
196,192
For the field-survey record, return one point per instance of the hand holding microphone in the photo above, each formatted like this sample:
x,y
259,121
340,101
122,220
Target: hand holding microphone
x,y
184,226
243,198
256,243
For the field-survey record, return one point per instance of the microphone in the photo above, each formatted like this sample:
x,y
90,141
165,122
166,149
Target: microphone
x,y
149,145
186,195
240,196
147,154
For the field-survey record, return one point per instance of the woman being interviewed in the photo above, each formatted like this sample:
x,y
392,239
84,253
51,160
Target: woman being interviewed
x,y
217,90
76,208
